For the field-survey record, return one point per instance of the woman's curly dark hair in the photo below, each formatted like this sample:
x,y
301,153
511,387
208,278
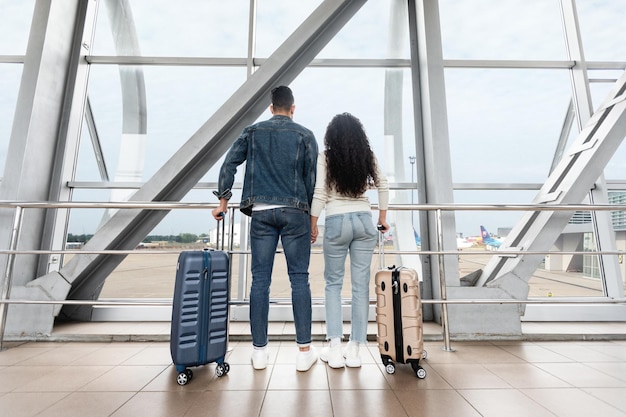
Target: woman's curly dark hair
x,y
350,162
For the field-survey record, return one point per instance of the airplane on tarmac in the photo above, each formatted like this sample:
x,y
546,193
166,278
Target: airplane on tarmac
x,y
487,239
461,243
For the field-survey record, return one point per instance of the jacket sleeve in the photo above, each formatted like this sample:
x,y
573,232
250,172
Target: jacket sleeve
x,y
310,168
383,188
235,157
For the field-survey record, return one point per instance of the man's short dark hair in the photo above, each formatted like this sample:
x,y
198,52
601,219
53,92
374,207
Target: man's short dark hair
x,y
282,97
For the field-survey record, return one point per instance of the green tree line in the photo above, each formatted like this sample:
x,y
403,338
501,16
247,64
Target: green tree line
x,y
180,238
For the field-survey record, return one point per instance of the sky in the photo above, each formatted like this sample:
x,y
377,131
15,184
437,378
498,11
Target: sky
x,y
503,123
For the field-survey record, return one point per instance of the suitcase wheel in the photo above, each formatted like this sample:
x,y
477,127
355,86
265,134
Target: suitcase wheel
x,y
419,371
390,368
222,369
424,354
184,377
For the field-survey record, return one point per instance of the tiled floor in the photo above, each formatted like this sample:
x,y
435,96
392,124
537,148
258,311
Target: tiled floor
x,y
566,378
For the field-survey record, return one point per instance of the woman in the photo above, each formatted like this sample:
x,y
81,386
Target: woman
x,y
345,171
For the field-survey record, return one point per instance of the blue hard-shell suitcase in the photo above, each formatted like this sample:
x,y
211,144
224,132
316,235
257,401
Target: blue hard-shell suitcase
x,y
199,333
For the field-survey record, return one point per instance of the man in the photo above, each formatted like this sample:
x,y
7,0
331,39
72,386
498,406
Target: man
x,y
277,193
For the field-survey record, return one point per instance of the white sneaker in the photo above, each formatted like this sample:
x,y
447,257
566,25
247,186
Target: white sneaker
x,y
333,356
305,360
353,359
259,358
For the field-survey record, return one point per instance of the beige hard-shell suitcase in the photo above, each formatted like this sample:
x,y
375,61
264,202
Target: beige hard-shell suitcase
x,y
399,319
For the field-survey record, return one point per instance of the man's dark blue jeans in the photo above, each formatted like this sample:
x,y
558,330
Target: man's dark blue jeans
x,y
293,226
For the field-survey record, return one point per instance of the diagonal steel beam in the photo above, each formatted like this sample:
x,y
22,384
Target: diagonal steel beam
x,y
569,183
568,122
85,274
90,121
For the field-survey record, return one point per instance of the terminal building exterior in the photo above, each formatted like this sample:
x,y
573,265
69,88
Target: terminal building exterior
x,y
116,115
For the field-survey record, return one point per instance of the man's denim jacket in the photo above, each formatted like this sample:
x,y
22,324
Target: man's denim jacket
x,y
281,160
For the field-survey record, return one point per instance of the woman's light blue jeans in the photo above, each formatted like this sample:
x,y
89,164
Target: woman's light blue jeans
x,y
293,226
354,233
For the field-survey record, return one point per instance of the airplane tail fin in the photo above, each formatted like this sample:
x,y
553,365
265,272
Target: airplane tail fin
x,y
418,239
488,239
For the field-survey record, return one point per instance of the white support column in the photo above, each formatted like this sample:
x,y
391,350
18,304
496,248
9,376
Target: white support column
x,y
432,141
70,133
401,221
38,146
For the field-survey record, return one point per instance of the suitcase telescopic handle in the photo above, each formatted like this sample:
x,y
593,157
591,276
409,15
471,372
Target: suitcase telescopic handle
x,y
381,246
217,232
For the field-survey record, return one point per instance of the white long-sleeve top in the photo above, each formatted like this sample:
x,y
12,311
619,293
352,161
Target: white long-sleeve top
x,y
336,203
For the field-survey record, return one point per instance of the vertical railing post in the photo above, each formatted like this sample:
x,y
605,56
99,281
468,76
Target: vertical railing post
x,y
442,286
8,272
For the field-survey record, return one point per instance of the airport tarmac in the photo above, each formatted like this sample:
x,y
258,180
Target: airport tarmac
x,y
150,274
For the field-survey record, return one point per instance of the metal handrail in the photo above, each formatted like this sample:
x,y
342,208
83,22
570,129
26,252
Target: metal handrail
x,y
320,301
19,206
318,252
170,205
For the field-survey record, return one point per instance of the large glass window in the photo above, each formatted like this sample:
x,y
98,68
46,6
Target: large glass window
x,y
199,28
179,100
602,29
15,20
498,223
276,20
502,30
389,40
505,124
336,91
